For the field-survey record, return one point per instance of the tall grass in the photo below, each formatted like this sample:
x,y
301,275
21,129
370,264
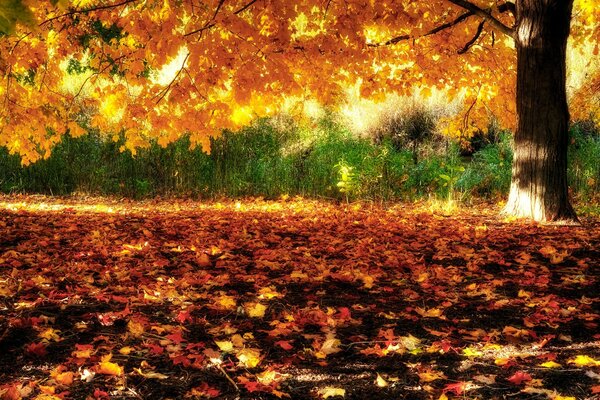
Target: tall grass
x,y
324,160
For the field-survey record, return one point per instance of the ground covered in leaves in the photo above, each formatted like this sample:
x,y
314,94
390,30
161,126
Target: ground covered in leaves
x,y
102,299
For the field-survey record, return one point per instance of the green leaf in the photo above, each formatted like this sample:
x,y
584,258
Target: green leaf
x,y
13,12
445,177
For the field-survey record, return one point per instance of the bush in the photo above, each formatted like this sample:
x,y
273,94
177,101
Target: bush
x,y
270,159
408,130
489,172
584,160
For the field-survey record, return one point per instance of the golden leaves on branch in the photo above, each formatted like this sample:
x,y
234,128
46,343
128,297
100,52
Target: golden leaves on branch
x,y
242,60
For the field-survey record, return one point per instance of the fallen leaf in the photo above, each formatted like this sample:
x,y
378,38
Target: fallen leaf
x,y
550,364
485,379
519,377
329,391
379,381
106,367
456,388
584,361
249,357
284,344
150,374
225,345
255,310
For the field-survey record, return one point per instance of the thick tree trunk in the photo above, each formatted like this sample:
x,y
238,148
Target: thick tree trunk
x,y
539,176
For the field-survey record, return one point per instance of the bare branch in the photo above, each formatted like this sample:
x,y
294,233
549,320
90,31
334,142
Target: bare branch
x,y
435,30
221,2
166,90
211,24
474,39
480,12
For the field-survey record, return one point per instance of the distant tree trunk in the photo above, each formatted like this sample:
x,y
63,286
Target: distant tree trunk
x,y
539,174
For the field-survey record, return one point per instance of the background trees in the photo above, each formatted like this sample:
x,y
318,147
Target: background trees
x,y
152,69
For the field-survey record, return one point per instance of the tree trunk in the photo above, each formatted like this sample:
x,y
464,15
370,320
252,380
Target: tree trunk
x,y
538,187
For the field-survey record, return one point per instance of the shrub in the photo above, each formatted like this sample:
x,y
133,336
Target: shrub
x,y
584,160
489,172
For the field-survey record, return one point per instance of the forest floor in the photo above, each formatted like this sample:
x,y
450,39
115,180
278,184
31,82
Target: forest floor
x,y
106,299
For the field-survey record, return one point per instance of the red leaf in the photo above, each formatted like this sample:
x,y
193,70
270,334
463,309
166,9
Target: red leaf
x,y
36,349
520,377
284,344
100,394
155,349
456,388
176,337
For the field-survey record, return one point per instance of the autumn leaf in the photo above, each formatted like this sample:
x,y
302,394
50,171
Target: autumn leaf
x,y
550,364
457,388
36,349
472,352
62,376
249,357
284,344
204,390
329,391
255,310
329,346
106,367
136,329
225,345
584,361
519,377
380,382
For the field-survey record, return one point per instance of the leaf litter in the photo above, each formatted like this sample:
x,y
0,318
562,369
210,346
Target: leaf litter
x,y
292,299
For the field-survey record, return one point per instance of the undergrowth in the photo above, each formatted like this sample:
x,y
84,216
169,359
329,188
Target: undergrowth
x,y
324,160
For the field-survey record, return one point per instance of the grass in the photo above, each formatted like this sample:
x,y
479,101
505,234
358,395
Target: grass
x,y
321,161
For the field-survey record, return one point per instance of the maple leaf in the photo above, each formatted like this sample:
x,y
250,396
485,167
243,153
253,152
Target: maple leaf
x,y
249,357
255,310
284,344
37,349
329,346
550,364
330,391
62,376
204,390
106,367
136,329
519,377
584,361
225,345
457,388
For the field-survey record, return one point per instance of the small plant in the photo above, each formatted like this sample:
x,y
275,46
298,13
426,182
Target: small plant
x,y
450,179
346,183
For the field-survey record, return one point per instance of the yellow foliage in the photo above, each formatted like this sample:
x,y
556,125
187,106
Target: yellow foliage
x,y
249,357
584,361
329,391
255,310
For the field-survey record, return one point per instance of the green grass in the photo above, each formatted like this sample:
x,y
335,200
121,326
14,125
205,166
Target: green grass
x,y
322,161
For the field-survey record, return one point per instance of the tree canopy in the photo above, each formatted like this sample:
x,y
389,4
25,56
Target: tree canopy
x,y
150,69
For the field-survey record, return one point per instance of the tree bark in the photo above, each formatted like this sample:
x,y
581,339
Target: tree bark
x,y
539,174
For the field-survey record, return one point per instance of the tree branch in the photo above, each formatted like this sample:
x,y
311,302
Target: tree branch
x,y
480,12
164,92
474,39
87,10
435,30
211,24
